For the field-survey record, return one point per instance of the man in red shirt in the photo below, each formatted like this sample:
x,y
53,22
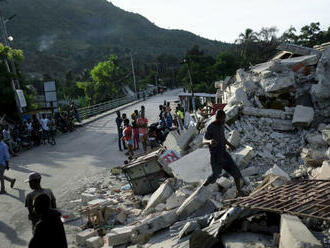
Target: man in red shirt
x,y
128,137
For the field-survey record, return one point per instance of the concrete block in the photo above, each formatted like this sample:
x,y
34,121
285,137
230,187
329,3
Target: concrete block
x,y
234,138
164,191
268,113
252,170
282,125
291,63
193,167
172,141
316,139
84,235
294,234
187,137
239,97
188,228
193,202
160,207
87,197
95,242
303,116
324,172
326,134
224,182
277,171
296,49
231,112
314,157
243,156
175,200
280,83
119,236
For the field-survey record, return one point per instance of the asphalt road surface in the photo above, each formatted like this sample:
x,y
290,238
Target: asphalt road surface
x,y
87,151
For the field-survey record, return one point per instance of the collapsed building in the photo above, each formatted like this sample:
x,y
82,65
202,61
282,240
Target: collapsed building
x,y
278,118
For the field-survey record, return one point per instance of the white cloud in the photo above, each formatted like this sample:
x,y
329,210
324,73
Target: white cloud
x,y
225,19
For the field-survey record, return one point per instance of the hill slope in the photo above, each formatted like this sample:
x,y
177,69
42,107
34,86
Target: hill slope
x,y
62,35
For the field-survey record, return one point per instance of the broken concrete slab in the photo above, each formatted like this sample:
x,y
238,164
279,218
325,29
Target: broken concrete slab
x,y
187,137
120,235
280,83
188,228
294,234
224,182
252,170
314,157
172,142
246,240
296,49
168,157
193,202
87,197
84,235
316,140
239,97
231,112
243,156
193,167
291,63
164,191
268,113
95,242
326,134
234,138
176,199
324,172
277,171
303,116
282,125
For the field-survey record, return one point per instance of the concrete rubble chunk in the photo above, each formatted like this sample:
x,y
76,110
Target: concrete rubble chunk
x,y
280,83
324,172
188,228
234,138
303,116
328,153
164,191
101,202
307,60
193,167
193,202
120,235
187,137
277,171
151,225
316,139
269,113
326,134
231,112
243,156
84,235
172,141
282,125
176,200
294,234
296,49
87,197
241,75
224,182
239,97
314,157
95,242
246,240
252,170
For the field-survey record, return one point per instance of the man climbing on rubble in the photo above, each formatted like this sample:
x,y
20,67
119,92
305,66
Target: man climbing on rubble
x,y
220,158
34,182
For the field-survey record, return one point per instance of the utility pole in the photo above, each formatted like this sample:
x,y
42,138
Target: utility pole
x,y
192,89
133,72
13,82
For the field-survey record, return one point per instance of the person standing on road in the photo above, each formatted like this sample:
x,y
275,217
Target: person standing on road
x,y
45,128
36,129
52,130
143,130
4,165
34,182
128,137
119,122
135,131
49,231
8,139
220,158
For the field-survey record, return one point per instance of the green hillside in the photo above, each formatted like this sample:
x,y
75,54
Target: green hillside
x,y
62,35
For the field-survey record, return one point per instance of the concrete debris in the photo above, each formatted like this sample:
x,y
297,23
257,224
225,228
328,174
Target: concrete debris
x,y
176,199
187,137
326,134
239,97
224,182
294,234
231,112
85,235
269,113
188,228
295,49
243,156
246,240
95,242
193,167
303,116
314,157
277,171
324,172
278,83
119,236
316,140
234,138
250,171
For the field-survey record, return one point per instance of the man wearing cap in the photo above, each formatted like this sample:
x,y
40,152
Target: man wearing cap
x,y
34,182
4,165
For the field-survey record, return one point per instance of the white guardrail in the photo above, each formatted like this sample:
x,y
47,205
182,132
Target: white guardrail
x,y
93,110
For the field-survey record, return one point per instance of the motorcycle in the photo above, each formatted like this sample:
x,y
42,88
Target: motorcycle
x,y
157,134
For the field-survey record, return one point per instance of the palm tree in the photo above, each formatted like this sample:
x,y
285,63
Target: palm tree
x,y
245,40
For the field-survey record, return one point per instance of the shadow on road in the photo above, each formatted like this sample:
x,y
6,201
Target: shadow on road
x,y
11,234
21,195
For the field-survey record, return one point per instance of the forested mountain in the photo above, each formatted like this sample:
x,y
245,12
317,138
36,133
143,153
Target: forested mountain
x,y
61,35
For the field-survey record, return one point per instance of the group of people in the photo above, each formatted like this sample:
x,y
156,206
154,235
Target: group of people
x,y
47,227
132,132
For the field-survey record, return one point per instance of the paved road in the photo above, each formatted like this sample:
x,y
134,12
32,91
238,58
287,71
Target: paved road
x,y
85,152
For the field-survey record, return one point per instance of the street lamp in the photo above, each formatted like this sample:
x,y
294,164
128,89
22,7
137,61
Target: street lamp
x,y
185,61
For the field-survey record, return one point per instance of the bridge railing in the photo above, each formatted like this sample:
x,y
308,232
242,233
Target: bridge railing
x,y
97,109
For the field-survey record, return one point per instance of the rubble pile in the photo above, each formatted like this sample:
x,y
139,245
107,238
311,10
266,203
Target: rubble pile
x,y
278,116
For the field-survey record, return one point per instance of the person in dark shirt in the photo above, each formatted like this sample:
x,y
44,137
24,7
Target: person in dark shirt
x,y
119,121
220,158
49,231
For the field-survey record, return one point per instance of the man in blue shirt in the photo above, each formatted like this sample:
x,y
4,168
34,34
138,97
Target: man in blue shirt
x,y
4,165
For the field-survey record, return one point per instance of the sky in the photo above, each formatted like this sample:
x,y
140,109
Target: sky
x,y
224,20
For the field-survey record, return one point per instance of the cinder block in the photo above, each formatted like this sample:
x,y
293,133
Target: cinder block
x,y
84,235
119,236
95,242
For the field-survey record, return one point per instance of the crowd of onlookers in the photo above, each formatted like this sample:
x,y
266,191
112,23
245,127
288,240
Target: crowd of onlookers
x,y
134,130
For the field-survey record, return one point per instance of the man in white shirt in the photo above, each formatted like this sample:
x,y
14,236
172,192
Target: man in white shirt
x,y
44,122
7,139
